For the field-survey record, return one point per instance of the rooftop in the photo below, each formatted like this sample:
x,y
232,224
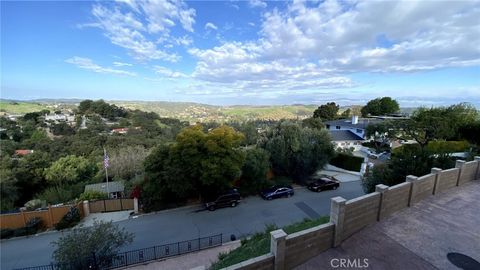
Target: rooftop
x,y
344,135
362,122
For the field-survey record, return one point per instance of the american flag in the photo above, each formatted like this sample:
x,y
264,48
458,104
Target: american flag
x,y
106,160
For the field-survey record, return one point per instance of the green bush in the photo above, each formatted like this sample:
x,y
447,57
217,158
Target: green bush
x,y
35,203
34,224
70,219
259,243
6,233
21,232
347,162
91,195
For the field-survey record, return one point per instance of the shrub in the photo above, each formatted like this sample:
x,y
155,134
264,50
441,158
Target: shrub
x,y
35,204
6,233
20,232
347,162
70,219
34,224
91,195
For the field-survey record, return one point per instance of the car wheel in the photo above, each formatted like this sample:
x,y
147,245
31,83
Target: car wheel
x,y
335,187
233,204
211,208
269,198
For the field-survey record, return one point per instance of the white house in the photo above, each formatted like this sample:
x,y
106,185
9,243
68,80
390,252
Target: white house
x,y
355,125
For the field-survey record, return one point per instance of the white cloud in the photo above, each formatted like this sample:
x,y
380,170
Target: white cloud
x,y
257,3
88,64
165,72
316,45
139,26
211,26
121,64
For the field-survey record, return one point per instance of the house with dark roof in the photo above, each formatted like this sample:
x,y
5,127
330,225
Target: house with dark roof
x,y
115,189
355,125
346,139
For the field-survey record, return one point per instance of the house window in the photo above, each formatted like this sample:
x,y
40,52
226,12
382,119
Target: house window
x,y
328,126
337,127
359,130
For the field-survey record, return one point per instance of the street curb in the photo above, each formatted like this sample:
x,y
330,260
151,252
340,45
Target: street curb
x,y
170,210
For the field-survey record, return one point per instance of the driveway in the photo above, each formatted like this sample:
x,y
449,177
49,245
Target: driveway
x,y
250,216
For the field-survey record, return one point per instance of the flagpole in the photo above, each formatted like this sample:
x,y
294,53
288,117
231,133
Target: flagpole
x,y
106,171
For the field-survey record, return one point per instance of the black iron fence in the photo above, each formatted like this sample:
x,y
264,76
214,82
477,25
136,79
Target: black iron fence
x,y
123,259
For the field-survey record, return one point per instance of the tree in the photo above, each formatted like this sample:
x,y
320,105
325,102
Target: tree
x,y
69,170
127,162
313,122
440,123
254,170
62,129
327,111
297,152
198,163
380,106
8,188
346,113
101,241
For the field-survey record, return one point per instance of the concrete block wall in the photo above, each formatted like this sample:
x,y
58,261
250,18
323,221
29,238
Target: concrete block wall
x,y
303,245
468,171
393,198
360,212
348,217
422,187
447,179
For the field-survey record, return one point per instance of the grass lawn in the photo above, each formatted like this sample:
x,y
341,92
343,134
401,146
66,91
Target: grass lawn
x,y
259,243
20,107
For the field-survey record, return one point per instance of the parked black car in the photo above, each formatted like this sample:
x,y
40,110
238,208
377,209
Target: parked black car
x,y
230,198
277,191
323,184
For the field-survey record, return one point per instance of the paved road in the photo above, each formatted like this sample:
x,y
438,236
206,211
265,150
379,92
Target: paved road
x,y
248,217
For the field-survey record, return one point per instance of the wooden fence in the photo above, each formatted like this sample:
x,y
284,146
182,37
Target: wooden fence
x,y
50,217
110,205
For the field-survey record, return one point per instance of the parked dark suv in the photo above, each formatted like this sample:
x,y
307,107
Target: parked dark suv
x,y
230,198
323,183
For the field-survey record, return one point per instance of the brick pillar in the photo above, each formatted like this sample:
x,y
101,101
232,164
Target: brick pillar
x,y
277,248
477,159
436,184
459,164
86,208
383,190
337,217
413,188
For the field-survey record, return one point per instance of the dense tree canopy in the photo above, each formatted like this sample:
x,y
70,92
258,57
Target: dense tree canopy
x,y
380,106
297,152
70,169
327,111
254,171
198,163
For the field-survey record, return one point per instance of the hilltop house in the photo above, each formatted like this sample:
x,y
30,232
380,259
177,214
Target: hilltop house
x,y
348,133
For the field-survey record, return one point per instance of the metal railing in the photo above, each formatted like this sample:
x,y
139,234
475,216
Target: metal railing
x,y
138,256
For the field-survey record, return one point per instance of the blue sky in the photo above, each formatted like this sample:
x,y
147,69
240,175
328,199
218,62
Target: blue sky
x,y
242,52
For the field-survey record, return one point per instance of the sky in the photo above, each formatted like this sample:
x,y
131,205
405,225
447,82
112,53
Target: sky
x,y
422,53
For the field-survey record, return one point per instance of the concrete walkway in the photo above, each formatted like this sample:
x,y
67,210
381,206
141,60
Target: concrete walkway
x,y
197,260
110,216
339,174
419,237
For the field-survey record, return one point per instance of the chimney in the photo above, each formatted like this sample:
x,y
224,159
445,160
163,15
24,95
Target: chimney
x,y
354,119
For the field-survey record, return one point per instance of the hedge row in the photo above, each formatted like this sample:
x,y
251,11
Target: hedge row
x,y
347,162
